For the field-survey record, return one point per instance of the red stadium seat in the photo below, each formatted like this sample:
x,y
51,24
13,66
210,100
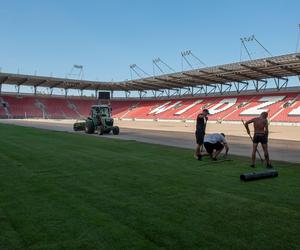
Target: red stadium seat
x,y
282,107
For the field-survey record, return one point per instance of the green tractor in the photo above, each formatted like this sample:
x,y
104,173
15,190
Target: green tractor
x,y
99,121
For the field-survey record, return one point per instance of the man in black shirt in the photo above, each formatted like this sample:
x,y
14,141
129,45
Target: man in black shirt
x,y
200,132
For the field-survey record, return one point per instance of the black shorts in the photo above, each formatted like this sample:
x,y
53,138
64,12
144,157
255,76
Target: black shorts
x,y
199,137
260,138
210,147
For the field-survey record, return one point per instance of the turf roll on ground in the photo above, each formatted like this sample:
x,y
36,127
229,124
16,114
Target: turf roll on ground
x,y
259,175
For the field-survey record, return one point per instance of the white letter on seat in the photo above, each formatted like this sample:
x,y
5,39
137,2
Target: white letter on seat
x,y
295,112
180,112
163,108
226,103
267,101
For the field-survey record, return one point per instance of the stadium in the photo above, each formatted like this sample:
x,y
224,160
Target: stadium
x,y
141,187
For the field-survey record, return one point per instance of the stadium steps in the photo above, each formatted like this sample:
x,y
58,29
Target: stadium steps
x,y
22,107
119,108
241,100
285,100
235,116
283,115
4,107
73,107
42,107
131,109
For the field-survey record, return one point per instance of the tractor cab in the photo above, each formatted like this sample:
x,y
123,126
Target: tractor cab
x,y
101,110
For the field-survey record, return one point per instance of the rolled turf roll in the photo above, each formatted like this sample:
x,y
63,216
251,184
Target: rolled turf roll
x,y
259,175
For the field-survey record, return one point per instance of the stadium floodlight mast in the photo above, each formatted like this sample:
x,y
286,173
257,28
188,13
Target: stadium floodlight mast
x,y
157,62
76,72
298,38
138,71
253,39
249,39
297,44
189,54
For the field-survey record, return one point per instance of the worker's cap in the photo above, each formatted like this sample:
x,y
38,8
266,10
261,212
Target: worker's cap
x,y
206,110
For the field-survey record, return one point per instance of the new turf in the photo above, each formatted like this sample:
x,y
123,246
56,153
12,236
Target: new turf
x,y
70,191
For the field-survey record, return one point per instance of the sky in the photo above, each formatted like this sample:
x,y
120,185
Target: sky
x,y
49,37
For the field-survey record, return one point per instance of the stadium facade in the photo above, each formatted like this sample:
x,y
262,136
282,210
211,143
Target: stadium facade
x,y
223,89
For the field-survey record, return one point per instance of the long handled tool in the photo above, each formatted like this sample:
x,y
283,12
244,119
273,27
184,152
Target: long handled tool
x,y
252,141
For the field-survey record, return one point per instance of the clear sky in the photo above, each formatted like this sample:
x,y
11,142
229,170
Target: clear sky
x,y
107,36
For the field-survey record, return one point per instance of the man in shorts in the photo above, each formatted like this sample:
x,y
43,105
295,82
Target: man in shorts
x,y
200,132
214,144
261,132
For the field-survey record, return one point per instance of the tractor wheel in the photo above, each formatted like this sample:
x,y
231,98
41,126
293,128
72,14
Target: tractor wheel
x,y
75,128
79,126
116,130
100,130
89,128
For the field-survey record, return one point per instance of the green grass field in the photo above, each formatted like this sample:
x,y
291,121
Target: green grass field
x,y
70,191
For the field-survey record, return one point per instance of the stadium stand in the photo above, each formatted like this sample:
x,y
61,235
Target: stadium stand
x,y
82,106
121,108
282,107
22,106
290,110
58,108
2,112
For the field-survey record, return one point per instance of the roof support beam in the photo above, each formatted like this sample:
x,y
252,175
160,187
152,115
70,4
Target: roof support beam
x,y
116,86
221,78
175,83
142,93
170,83
56,84
222,90
232,79
243,75
85,87
5,79
262,71
213,90
154,92
204,79
187,81
22,82
199,91
283,67
238,87
154,86
262,86
40,83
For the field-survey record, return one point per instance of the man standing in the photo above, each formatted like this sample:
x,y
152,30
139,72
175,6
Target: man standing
x,y
200,132
214,144
261,132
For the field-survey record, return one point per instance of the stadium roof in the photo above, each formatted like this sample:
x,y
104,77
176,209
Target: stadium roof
x,y
260,69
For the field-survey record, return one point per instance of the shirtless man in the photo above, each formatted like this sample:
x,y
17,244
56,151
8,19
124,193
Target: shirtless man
x,y
261,133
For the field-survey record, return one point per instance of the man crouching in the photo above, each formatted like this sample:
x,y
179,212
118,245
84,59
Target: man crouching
x,y
214,144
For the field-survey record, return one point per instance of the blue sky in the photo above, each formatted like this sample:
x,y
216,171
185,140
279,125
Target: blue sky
x,y
107,36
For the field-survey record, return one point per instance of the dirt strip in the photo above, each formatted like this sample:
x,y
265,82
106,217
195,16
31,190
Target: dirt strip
x,y
283,150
